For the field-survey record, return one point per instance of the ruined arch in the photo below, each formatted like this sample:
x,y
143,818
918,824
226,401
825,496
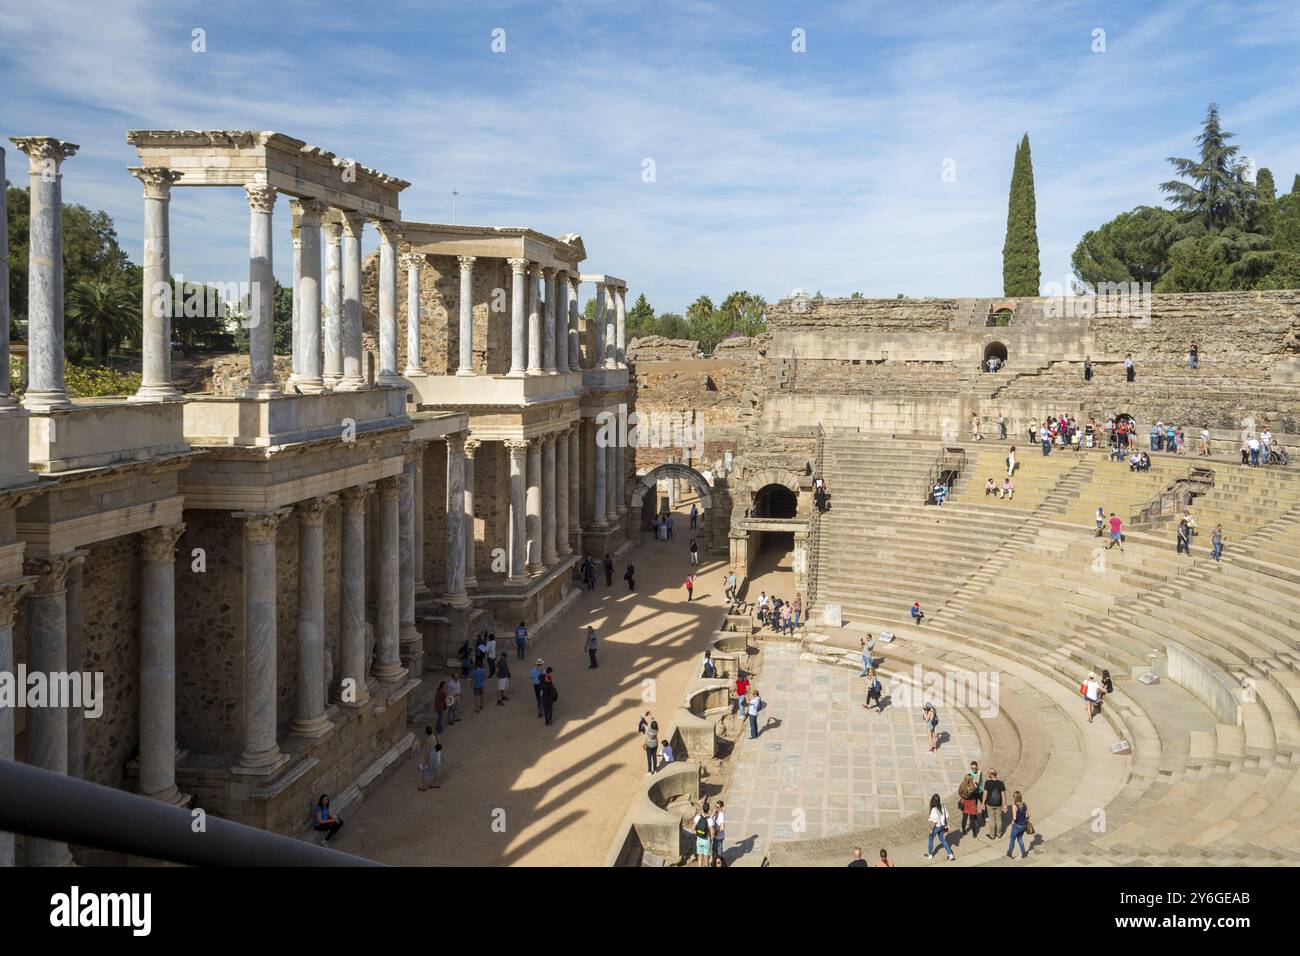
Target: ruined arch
x,y
992,349
645,483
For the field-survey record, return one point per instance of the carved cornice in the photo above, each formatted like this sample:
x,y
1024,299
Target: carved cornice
x,y
41,150
261,197
158,545
157,180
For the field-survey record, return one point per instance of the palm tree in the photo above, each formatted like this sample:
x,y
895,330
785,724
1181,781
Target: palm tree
x,y
1219,190
103,313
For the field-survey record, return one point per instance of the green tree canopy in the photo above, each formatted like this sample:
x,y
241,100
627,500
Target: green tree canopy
x,y
1020,269
1132,247
1218,192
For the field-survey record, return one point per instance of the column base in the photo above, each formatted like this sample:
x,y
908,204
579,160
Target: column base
x,y
515,373
610,363
391,380
549,558
533,371
332,381
262,763
517,582
363,697
46,401
532,570
319,726
350,385
157,393
171,796
262,391
308,386
414,372
471,582
459,599
466,372
389,673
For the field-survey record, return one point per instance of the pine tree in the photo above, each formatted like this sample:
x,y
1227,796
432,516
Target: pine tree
x,y
1020,273
1219,193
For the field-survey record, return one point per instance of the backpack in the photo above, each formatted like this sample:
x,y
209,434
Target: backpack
x,y
702,826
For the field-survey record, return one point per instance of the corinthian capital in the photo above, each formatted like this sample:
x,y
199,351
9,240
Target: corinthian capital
x,y
354,223
354,498
517,266
388,231
466,263
471,446
312,511
43,150
259,526
411,260
51,573
518,447
158,545
261,197
11,593
157,180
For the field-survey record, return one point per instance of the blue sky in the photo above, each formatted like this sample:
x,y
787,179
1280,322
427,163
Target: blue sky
x,y
774,170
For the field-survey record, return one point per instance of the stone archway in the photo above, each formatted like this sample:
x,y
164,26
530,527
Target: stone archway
x,y
993,350
645,483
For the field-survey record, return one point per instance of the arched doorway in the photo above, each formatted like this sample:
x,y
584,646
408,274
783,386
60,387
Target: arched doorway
x,y
775,501
645,497
994,350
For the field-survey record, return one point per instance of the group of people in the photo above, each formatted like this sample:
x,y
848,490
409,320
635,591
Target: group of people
x,y
781,616
587,570
821,497
981,801
1262,449
1006,490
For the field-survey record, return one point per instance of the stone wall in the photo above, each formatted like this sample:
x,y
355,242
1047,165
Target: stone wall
x,y
656,348
876,314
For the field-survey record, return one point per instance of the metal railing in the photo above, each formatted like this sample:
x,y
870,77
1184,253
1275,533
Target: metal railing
x,y
1175,496
815,529
51,806
951,459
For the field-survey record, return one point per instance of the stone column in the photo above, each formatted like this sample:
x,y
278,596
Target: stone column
x,y
11,592
575,343
261,751
598,359
76,614
295,239
411,650
306,343
549,555
611,479
466,304
45,355
561,498
156,337
353,376
611,333
456,520
471,446
158,664
518,334
620,325
352,604
47,653
333,303
388,233
260,319
534,506
388,665
548,321
620,478
575,478
518,451
6,389
561,285
309,718
599,460
418,510
534,321
414,354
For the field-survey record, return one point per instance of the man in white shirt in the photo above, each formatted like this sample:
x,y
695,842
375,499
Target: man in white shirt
x,y
1254,452
1091,695
719,832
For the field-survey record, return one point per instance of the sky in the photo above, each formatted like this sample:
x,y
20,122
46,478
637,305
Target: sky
x,y
697,147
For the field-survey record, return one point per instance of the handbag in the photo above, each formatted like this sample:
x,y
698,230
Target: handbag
x,y
1029,828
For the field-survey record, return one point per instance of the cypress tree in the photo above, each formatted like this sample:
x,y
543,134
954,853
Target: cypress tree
x,y
1295,186
1265,190
1020,272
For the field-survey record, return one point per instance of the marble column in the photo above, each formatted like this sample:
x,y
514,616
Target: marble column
x,y
260,318
353,375
548,321
388,235
534,321
307,341
534,506
414,354
518,333
471,447
620,325
611,334
352,603
549,554
518,450
47,653
599,460
466,303
388,615
333,303
575,478
561,497
261,751
620,478
11,592
45,353
456,520
411,649
575,341
309,718
156,336
611,479
598,358
158,664
76,613
295,240
561,317
418,508
6,388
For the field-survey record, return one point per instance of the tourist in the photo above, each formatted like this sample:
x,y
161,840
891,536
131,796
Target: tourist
x,y
1245,450
931,717
729,588
651,745
1265,440
503,678
695,553
1020,825
609,571
589,572
695,517
643,722
1171,438
867,647
762,607
1008,488
710,669
1011,461
1205,440
491,655
755,705
1045,438
990,488
976,431
536,675
1116,535
521,640
1074,439
324,820
1216,543
453,700
440,703
703,827
430,761
1099,516
667,753
1184,539
938,828
742,688
917,614
1033,431
630,577
1087,368
1129,370
857,857
591,647
689,584
796,610
480,649
654,527
669,535
465,662
1180,440
939,492
1107,687
874,690
549,695
477,677
994,794
884,858
1193,357
719,832
1002,428
1157,436
968,800
1254,451
1090,433
1091,691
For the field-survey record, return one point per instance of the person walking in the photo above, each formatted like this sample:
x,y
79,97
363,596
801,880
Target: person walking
x,y
609,571
651,744
1216,542
695,552
430,761
797,608
874,689
1184,539
591,648
729,589
536,675
589,572
1087,368
1116,535
695,516
630,577
1002,428
931,717
690,587
453,700
1130,371
440,703
938,829
669,536
994,797
1193,357
1020,825
491,655
503,678
1011,461
521,640
549,695
742,688
1091,691
477,678
710,669
1099,516
755,704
